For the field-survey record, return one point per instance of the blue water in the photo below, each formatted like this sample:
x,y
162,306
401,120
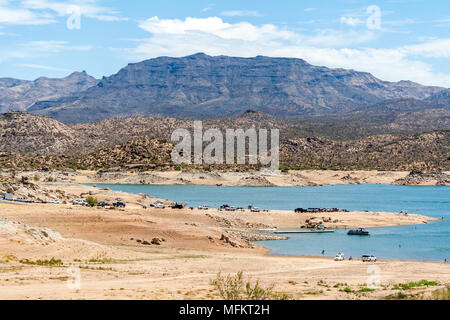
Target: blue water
x,y
420,242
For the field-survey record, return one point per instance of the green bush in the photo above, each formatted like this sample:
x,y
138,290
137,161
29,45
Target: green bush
x,y
91,201
422,283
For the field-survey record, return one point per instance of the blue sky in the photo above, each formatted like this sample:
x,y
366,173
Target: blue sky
x,y
392,39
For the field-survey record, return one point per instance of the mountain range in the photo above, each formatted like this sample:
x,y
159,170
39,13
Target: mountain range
x,y
21,94
328,118
201,86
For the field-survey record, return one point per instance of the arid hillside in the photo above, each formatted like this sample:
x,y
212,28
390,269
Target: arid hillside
x,y
36,142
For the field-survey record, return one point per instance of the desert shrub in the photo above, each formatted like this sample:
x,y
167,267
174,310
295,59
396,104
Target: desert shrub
x,y
398,296
92,201
441,294
236,288
51,262
36,178
365,289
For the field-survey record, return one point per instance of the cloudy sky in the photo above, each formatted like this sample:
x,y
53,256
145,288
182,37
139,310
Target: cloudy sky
x,y
393,39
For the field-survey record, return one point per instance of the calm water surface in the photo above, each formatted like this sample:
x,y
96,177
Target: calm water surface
x,y
421,242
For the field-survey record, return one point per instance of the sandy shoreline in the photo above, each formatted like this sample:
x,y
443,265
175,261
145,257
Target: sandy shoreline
x,y
114,252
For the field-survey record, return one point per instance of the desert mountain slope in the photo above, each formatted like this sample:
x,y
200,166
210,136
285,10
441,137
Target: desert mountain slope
x,y
31,141
20,94
202,86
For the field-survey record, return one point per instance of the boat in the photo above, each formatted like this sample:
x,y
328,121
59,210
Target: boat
x,y
358,232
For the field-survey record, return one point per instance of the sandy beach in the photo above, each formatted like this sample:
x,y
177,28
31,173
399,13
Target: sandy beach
x,y
118,257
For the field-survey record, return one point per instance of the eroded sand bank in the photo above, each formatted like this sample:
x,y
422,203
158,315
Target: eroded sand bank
x,y
253,178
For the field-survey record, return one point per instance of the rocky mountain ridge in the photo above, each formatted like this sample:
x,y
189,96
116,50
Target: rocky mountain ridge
x,y
18,94
201,86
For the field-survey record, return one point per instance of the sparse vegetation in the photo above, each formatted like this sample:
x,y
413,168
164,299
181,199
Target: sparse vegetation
x,y
347,290
236,288
441,294
410,285
92,201
398,296
51,262
365,289
147,150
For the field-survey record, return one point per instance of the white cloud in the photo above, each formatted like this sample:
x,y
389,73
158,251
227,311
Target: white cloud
x,y
87,8
213,36
351,21
17,16
38,12
216,27
241,13
438,48
42,67
209,7
35,49
310,9
53,46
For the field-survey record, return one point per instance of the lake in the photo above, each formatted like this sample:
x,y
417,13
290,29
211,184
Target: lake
x,y
420,242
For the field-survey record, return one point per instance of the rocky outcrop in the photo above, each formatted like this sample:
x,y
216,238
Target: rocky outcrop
x,y
16,231
421,178
255,181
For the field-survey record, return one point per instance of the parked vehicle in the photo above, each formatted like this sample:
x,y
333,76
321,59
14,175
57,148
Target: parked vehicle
x,y
119,204
203,207
230,208
54,201
368,258
102,204
177,206
358,232
255,209
8,196
80,202
339,257
158,205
